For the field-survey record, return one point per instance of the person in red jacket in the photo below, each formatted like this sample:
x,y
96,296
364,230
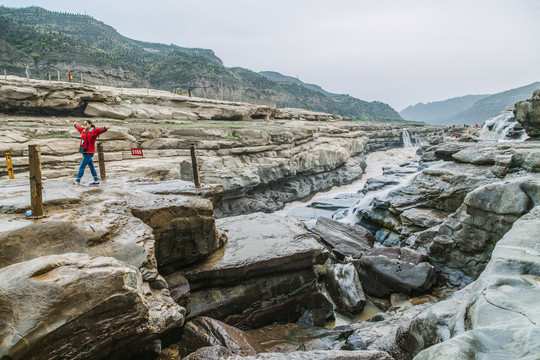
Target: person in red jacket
x,y
89,135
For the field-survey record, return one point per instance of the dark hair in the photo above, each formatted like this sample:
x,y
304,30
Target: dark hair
x,y
91,124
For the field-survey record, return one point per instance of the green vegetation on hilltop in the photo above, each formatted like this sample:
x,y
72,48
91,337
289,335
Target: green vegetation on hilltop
x,y
54,41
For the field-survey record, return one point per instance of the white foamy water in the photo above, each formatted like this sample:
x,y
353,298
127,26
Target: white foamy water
x,y
410,140
500,126
353,212
407,142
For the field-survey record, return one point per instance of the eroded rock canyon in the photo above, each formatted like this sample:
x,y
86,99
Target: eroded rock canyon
x,y
436,258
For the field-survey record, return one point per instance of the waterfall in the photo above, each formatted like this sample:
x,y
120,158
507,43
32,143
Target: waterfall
x,y
407,142
501,127
412,140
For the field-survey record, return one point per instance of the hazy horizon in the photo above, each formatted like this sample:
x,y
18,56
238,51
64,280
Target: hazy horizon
x,y
390,51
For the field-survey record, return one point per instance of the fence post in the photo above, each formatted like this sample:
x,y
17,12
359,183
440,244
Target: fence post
x,y
195,165
9,165
36,186
101,159
5,74
58,74
82,81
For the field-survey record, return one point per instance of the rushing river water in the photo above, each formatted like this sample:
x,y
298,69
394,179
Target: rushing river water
x,y
326,203
347,200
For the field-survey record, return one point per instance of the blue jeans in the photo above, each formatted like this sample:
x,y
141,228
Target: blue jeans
x,y
87,161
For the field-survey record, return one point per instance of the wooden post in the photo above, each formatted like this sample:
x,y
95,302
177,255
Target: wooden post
x,y
82,81
9,165
101,159
36,186
5,74
58,74
195,164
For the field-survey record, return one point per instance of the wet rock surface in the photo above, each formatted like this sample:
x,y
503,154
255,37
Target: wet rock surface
x,y
466,239
343,240
79,307
206,332
263,274
345,289
380,275
171,219
499,318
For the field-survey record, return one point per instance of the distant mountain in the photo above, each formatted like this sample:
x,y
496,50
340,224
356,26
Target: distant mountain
x,y
277,77
347,105
468,109
490,106
436,112
58,42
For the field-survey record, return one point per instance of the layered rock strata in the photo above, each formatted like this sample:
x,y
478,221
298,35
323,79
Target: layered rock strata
x,y
264,274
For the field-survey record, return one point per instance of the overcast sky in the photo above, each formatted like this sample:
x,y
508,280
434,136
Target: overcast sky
x,y
396,51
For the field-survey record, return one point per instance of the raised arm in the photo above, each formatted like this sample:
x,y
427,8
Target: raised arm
x,y
78,127
102,129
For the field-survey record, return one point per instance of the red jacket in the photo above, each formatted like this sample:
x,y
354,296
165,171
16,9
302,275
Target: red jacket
x,y
88,138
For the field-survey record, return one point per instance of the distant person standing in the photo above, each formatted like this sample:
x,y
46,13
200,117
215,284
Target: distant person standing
x,y
69,75
27,71
89,135
48,75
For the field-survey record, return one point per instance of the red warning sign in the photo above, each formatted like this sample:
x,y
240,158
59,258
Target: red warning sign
x,y
136,152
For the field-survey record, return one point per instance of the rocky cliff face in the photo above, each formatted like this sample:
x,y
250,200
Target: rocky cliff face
x,y
263,156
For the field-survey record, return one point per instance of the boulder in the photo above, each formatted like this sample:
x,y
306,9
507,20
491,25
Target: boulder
x,y
527,113
263,274
126,238
204,332
381,275
258,244
98,109
179,288
398,253
183,227
345,289
446,150
377,183
464,242
499,318
74,306
343,240
417,219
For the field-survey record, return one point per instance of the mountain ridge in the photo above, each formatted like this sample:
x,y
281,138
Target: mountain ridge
x,y
58,42
467,109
